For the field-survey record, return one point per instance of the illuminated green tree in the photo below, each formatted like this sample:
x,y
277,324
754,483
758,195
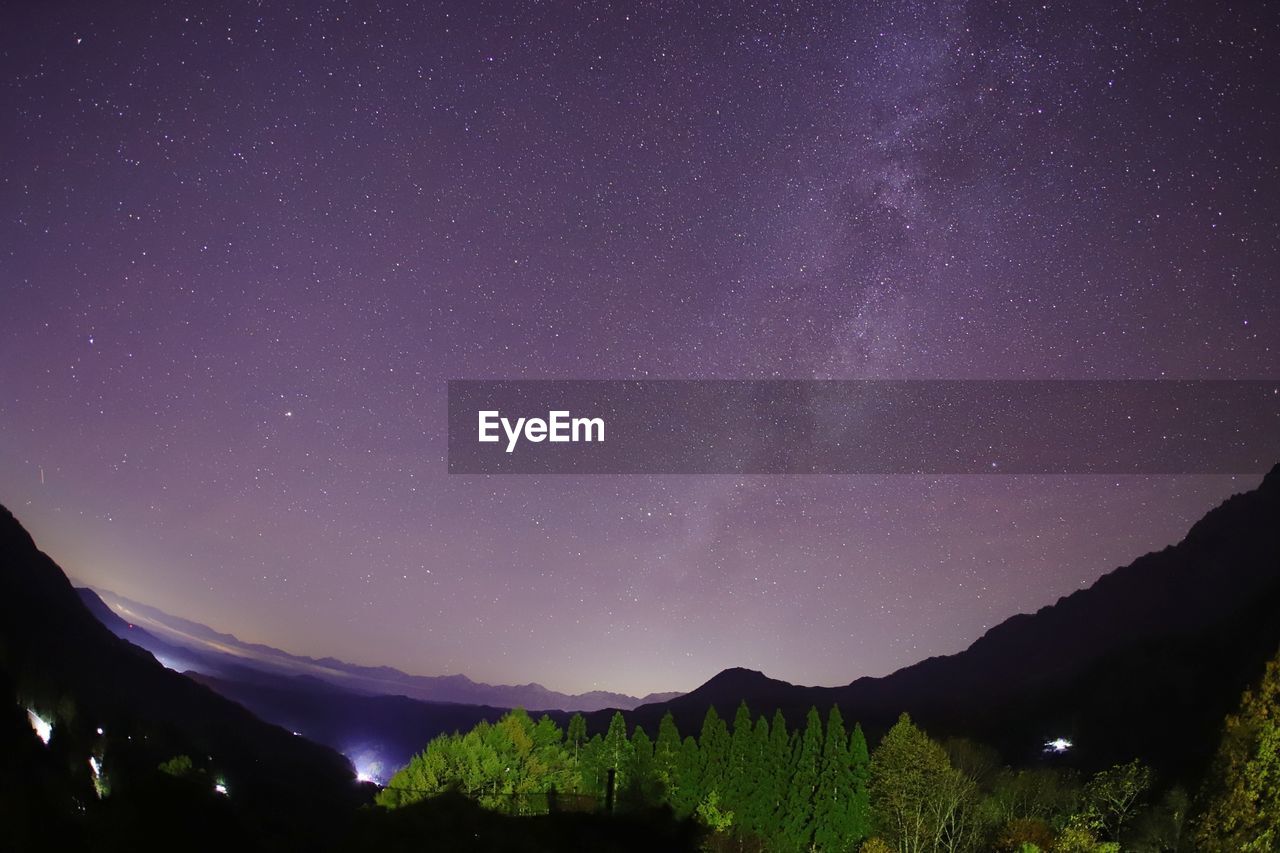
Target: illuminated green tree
x,y
666,752
1241,800
798,821
907,771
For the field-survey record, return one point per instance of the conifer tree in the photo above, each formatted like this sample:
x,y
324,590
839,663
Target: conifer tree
x,y
642,785
713,746
797,829
617,750
757,791
775,780
687,792
666,752
738,781
859,816
574,739
832,799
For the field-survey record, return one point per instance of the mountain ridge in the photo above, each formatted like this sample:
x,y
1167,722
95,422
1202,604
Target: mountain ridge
x,y
217,650
1204,611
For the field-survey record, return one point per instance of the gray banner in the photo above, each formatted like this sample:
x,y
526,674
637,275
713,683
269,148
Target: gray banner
x,y
863,427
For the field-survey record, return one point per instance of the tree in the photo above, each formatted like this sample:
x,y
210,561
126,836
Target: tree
x,y
1114,795
666,752
798,825
714,817
575,738
833,795
906,769
713,748
740,779
859,820
686,793
1240,808
775,780
755,794
617,753
642,784
179,766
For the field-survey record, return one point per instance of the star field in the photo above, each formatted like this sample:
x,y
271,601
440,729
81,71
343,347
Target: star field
x,y
244,246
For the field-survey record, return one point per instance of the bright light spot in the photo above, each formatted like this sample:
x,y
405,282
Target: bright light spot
x,y
95,766
99,729
368,763
42,727
1058,745
220,787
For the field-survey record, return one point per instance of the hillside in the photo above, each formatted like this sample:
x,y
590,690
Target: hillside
x,y
108,699
1144,662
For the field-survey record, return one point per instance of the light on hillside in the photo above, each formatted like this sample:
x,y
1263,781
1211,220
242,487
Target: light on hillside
x,y
42,727
1058,745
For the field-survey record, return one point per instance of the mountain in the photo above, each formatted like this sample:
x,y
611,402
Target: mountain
x,y
1146,661
186,645
108,700
378,733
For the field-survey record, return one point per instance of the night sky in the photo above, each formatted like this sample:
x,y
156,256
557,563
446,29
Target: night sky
x,y
244,245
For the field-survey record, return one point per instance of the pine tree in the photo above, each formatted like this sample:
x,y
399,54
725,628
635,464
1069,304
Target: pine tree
x,y
739,779
687,792
758,793
617,750
713,745
859,815
834,788
775,781
574,739
666,752
642,788
798,825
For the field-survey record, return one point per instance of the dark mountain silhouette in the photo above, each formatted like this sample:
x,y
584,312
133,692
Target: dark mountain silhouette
x,y
247,785
378,733
1144,662
114,701
188,645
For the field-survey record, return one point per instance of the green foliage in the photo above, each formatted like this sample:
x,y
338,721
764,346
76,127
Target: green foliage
x,y
687,793
1112,796
179,766
1241,798
920,801
710,813
713,750
798,821
759,787
506,765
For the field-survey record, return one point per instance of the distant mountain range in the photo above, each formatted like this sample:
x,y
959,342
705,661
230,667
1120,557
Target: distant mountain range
x,y
190,646
105,698
1145,662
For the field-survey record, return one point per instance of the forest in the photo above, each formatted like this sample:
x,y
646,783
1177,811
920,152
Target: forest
x,y
754,784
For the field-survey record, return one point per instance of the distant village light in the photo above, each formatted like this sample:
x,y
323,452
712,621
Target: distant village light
x,y
42,727
1059,745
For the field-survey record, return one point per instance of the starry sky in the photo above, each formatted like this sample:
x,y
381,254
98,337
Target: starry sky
x,y
243,246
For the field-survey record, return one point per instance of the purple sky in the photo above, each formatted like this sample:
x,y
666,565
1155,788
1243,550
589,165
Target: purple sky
x,y
243,246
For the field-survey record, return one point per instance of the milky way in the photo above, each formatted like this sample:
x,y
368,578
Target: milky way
x,y
244,246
